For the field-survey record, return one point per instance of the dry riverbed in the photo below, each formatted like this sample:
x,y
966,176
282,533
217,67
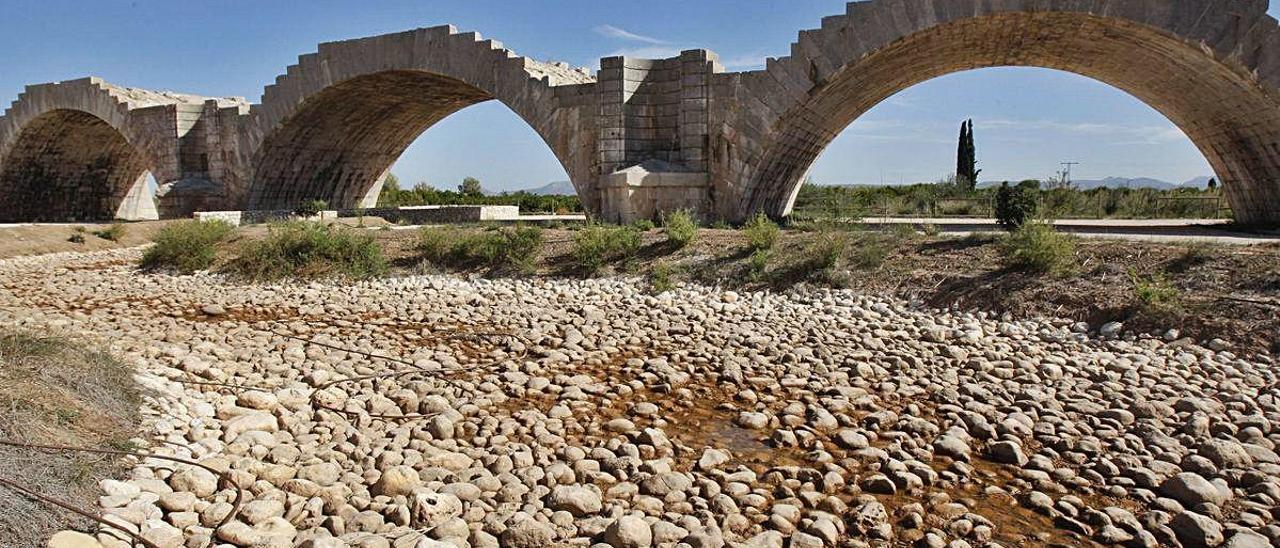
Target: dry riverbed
x,y
434,411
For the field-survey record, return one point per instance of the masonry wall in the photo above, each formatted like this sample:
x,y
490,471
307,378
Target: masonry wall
x,y
654,109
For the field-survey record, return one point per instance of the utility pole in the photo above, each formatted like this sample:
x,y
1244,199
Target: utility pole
x,y
1066,172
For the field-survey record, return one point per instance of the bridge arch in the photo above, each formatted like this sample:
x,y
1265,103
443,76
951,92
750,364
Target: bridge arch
x,y
69,152
1211,67
334,124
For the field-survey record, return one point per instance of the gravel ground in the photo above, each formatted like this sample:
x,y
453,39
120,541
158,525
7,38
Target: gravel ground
x,y
543,413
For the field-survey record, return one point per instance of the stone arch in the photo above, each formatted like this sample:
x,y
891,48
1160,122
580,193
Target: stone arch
x,y
68,152
333,125
1211,67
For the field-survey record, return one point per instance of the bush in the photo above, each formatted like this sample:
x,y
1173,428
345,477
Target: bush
x,y
1015,205
187,246
1037,247
113,233
681,227
903,231
434,244
827,250
762,233
1155,291
931,230
311,208
660,278
870,253
758,265
596,245
513,248
300,249
644,225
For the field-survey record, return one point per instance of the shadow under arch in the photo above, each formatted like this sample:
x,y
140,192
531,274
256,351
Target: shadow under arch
x,y
68,165
1222,109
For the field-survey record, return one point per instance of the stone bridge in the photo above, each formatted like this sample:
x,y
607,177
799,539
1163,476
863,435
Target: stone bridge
x,y
641,135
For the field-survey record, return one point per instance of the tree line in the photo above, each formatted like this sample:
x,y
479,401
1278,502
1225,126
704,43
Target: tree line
x,y
471,192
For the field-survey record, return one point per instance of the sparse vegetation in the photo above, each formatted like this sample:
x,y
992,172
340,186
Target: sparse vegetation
x,y
869,253
947,198
187,246
761,232
58,391
1037,247
511,249
644,225
1015,205
77,235
827,250
113,233
1154,290
660,278
681,227
423,194
310,208
595,246
903,232
301,249
758,265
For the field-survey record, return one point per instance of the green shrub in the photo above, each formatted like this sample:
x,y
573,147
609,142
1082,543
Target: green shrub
x,y
187,246
870,253
596,245
931,230
514,248
827,250
660,278
1015,205
311,208
300,249
113,233
720,224
1037,247
644,225
681,227
1155,291
758,264
762,233
903,231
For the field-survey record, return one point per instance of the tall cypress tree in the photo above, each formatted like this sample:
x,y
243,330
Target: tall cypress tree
x,y
967,158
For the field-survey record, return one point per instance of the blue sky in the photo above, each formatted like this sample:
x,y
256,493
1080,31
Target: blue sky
x,y
1027,120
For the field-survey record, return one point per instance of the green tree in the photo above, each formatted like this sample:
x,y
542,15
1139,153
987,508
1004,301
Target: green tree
x,y
471,187
966,158
389,196
1015,205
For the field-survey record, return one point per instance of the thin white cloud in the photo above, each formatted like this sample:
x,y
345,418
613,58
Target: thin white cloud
x,y
744,62
1123,134
647,52
623,34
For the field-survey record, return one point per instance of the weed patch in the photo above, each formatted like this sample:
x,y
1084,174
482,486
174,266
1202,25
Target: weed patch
x,y
186,247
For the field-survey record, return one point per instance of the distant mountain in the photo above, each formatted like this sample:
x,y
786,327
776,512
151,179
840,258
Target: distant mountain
x,y
558,188
1123,182
1198,182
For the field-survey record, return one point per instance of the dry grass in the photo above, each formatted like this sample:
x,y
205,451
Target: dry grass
x,y
54,391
